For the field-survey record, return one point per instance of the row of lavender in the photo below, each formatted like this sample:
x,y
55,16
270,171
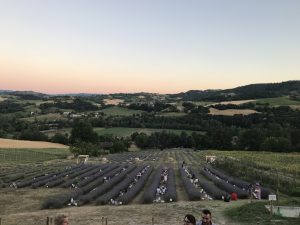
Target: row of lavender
x,y
216,185
100,184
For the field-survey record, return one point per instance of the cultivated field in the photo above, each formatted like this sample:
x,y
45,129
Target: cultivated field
x,y
113,101
231,112
139,173
10,143
239,102
280,101
2,99
119,111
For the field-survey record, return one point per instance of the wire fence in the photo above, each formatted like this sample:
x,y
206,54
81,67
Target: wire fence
x,y
50,221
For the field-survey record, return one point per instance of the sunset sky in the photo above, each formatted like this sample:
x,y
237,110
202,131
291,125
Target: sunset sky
x,y
161,46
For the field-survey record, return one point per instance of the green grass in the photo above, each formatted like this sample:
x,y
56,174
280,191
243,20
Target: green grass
x,y
286,162
32,155
125,131
172,114
280,101
256,213
47,117
115,111
51,133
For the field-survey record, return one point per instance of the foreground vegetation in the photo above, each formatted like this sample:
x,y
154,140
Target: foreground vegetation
x,y
256,213
239,212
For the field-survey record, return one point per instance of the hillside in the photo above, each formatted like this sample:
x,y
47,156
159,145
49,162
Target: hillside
x,y
251,91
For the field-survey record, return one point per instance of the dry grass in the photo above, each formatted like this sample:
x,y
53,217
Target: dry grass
x,y
2,99
22,206
113,101
9,143
239,102
231,112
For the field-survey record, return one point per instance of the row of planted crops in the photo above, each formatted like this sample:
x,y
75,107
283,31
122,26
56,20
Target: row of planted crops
x,y
120,183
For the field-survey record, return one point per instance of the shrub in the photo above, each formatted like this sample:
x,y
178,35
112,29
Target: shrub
x,y
193,193
131,193
149,194
171,194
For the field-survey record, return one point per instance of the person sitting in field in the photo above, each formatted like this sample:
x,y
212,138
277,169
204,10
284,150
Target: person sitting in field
x,y
61,220
189,220
72,202
13,185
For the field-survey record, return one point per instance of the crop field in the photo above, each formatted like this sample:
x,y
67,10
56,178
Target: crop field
x,y
129,188
2,99
115,111
280,101
231,112
112,101
51,133
11,143
31,155
238,102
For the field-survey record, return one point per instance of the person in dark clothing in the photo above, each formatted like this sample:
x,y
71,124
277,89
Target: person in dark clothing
x,y
206,218
189,220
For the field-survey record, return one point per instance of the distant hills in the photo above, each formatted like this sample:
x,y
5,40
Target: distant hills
x,y
251,91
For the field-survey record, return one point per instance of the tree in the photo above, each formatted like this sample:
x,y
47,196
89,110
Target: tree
x,y
278,144
82,131
60,138
141,140
119,146
32,134
251,139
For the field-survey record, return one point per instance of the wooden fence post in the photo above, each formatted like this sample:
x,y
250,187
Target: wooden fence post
x,y
102,220
0,221
48,221
152,221
105,221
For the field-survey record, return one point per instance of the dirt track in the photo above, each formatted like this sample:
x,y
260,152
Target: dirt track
x,y
9,143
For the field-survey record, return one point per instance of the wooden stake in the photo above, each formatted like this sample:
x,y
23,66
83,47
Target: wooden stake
x,y
271,208
48,221
102,220
152,221
105,221
0,221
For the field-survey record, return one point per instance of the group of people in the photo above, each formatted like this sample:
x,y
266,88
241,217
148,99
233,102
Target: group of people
x,y
206,219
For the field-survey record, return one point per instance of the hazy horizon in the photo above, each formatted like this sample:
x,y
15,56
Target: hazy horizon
x,y
169,46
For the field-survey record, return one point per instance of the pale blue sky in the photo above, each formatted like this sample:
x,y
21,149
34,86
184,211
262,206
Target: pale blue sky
x,y
161,46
